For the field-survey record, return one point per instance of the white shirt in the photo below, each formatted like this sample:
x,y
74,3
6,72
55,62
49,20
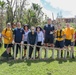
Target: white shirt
x,y
40,37
26,35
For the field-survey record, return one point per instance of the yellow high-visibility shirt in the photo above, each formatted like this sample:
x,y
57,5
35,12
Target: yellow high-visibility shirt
x,y
58,34
69,32
9,34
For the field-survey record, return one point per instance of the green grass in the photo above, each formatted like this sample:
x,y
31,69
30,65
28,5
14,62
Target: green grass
x,y
38,67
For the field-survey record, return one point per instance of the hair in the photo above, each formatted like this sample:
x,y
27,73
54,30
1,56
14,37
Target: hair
x,y
32,27
39,27
18,22
25,25
8,24
15,24
48,19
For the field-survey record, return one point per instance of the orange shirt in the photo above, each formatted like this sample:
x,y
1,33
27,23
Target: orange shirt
x,y
69,32
9,34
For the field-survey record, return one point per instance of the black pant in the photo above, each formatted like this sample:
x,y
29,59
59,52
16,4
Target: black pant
x,y
18,47
30,51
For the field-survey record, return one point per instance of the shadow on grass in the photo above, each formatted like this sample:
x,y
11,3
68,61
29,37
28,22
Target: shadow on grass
x,y
29,62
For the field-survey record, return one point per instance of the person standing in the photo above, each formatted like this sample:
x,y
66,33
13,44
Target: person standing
x,y
32,40
26,31
49,34
18,37
8,37
40,41
69,38
60,36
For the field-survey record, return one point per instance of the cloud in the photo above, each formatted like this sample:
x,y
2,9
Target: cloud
x,y
66,5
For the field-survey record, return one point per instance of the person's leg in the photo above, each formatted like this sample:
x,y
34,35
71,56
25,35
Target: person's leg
x,y
16,50
39,44
51,41
13,49
61,46
46,44
72,49
67,43
8,49
30,51
10,46
25,47
57,46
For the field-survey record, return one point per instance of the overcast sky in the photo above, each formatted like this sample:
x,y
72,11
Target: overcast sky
x,y
66,7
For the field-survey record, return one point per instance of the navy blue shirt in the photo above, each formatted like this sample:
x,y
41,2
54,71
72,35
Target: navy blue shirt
x,y
48,29
18,35
32,38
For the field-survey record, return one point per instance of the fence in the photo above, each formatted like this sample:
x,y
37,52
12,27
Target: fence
x,y
41,49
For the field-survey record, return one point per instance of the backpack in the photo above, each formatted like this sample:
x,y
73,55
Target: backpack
x,y
59,36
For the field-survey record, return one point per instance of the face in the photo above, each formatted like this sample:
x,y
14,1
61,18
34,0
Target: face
x,y
9,26
14,26
68,25
49,21
32,29
26,28
18,25
59,26
38,29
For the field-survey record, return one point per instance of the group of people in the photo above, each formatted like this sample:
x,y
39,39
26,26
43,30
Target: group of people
x,y
47,36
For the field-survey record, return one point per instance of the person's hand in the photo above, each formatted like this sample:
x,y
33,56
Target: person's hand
x,y
28,44
42,44
9,38
35,44
22,42
72,40
13,42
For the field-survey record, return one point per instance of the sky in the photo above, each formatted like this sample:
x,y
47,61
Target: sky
x,y
66,8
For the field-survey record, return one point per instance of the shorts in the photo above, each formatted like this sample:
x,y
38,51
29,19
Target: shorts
x,y
8,45
38,44
68,43
49,39
59,44
25,47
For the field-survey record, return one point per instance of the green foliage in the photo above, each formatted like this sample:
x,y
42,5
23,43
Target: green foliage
x,y
10,17
2,3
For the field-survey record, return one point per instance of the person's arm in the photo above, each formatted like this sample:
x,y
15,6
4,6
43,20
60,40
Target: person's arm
x,y
13,37
73,35
28,38
42,38
54,29
22,36
3,35
36,39
44,29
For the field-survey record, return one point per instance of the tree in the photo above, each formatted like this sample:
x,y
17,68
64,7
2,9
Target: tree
x,y
15,10
2,4
34,15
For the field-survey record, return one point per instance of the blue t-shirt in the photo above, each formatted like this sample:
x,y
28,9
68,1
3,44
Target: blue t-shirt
x,y
18,34
48,29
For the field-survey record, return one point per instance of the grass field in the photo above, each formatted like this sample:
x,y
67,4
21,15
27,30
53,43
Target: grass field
x,y
38,67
